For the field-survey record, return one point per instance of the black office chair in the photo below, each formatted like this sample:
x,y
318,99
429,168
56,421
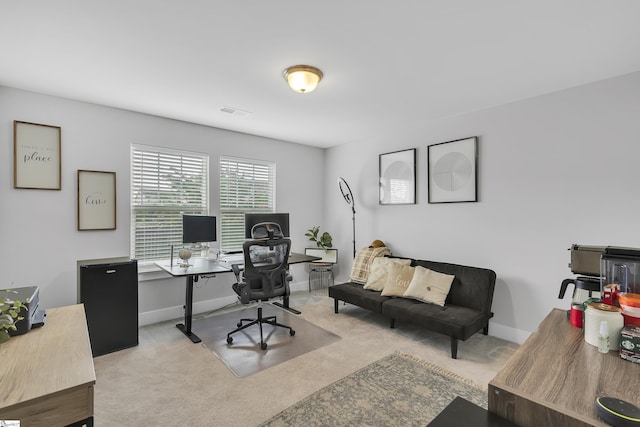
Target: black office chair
x,y
265,276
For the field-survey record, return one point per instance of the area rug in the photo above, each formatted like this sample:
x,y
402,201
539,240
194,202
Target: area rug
x,y
244,356
397,390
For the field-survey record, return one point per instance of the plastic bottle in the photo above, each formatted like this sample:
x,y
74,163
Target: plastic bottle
x,y
603,337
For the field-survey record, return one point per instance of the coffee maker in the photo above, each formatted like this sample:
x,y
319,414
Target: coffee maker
x,y
585,261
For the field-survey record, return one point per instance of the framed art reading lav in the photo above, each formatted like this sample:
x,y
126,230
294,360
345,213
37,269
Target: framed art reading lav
x,y
453,171
398,177
96,200
36,156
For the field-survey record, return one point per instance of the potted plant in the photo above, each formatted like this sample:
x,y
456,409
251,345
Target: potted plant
x,y
322,241
9,314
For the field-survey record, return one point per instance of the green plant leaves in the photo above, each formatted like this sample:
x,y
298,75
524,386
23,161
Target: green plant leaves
x,y
322,242
9,315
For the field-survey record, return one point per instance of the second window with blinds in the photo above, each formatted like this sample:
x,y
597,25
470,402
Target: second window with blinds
x,y
245,186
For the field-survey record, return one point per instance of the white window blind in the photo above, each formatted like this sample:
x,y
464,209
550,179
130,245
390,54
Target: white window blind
x,y
245,186
165,184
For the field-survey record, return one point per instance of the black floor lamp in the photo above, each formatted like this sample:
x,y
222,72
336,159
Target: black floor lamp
x,y
348,197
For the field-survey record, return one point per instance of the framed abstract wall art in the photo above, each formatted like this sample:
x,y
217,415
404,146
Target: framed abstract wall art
x,y
453,171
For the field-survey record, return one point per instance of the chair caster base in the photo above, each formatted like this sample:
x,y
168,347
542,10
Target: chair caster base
x,y
229,340
292,332
263,346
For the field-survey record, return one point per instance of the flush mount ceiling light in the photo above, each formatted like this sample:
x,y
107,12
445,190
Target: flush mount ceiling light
x,y
302,78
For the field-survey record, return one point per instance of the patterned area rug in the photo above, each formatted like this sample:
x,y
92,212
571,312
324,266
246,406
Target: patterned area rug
x,y
397,390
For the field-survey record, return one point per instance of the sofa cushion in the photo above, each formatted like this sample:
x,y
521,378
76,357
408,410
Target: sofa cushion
x,y
429,286
398,280
362,263
379,272
452,320
354,293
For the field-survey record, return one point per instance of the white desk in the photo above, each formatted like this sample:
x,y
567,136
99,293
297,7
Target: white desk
x,y
202,267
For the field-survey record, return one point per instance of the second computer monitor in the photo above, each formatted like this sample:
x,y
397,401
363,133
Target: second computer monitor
x,y
251,219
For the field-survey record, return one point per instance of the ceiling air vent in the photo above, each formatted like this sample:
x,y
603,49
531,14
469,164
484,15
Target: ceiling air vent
x,y
234,111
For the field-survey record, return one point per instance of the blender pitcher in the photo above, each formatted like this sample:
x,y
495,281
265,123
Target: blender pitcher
x,y
617,282
620,272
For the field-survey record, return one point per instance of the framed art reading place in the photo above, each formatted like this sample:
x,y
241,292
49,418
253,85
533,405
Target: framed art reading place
x,y
453,171
36,156
96,200
398,177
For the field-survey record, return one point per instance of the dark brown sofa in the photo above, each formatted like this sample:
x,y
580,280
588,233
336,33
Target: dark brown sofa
x,y
467,308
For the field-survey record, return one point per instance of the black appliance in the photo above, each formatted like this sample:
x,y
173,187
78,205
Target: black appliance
x,y
109,293
585,261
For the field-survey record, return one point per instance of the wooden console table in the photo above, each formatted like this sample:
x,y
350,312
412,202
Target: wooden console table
x,y
47,374
555,377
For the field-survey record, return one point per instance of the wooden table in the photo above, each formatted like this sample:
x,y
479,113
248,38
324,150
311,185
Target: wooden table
x,y
47,374
555,377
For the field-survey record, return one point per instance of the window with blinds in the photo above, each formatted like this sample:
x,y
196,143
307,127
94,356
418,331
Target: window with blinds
x,y
165,184
245,186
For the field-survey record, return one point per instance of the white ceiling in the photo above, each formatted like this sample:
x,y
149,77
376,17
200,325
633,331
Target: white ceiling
x,y
388,64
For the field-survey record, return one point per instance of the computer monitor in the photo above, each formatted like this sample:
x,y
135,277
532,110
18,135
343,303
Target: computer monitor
x,y
198,229
251,219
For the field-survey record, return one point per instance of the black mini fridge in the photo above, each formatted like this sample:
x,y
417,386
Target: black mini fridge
x,y
109,293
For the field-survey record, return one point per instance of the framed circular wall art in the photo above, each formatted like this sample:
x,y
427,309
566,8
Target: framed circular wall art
x,y
453,171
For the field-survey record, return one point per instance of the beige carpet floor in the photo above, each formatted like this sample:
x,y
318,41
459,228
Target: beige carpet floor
x,y
167,380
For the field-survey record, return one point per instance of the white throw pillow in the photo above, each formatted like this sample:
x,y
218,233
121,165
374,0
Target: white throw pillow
x,y
429,286
398,280
380,271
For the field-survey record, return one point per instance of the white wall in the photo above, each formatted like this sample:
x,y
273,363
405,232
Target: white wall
x,y
553,170
39,241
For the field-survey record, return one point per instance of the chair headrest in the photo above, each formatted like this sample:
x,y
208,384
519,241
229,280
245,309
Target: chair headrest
x,y
266,230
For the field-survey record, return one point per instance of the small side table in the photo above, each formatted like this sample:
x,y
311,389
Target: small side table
x,y
321,270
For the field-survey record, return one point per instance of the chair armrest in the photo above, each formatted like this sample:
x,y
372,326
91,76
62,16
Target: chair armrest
x,y
236,271
244,292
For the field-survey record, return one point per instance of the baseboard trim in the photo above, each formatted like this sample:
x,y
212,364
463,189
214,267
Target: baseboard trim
x,y
508,333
